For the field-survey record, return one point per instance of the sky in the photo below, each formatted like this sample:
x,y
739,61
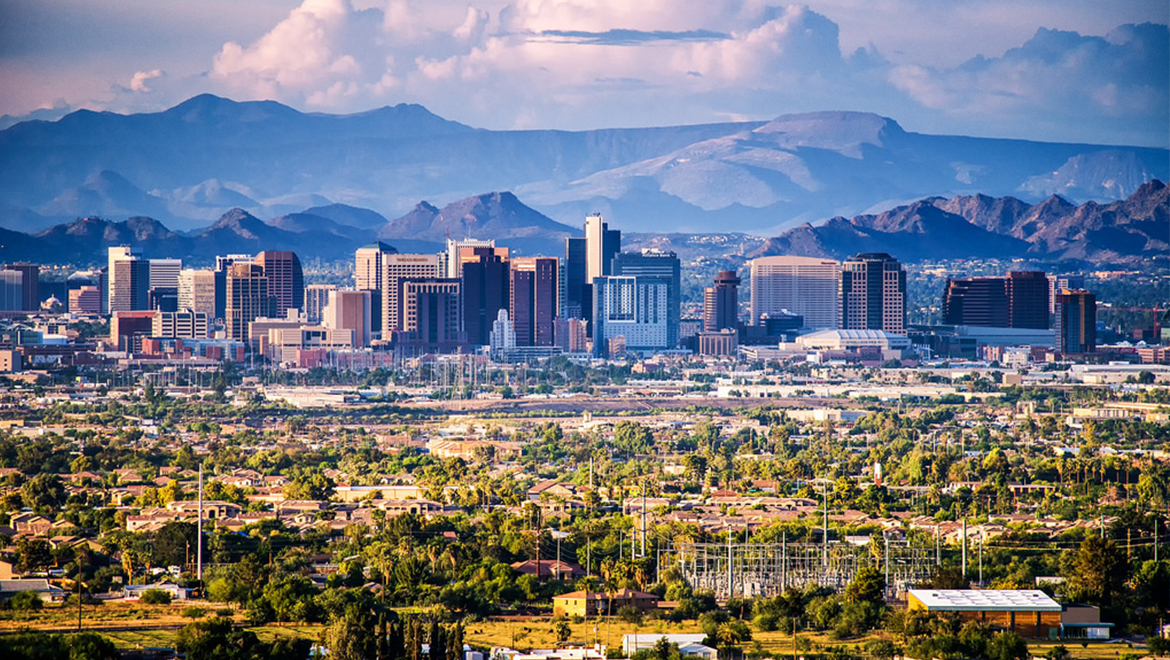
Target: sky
x,y
1053,70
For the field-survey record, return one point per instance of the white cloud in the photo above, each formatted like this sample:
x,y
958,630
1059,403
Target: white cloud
x,y
138,82
1062,75
966,66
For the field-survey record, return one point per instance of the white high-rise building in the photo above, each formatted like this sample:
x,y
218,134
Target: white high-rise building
x,y
114,254
367,276
395,269
634,308
197,291
807,286
454,267
601,245
164,273
503,335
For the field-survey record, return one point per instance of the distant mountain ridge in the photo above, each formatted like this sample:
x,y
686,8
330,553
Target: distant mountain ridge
x,y
980,226
188,165
961,227
312,233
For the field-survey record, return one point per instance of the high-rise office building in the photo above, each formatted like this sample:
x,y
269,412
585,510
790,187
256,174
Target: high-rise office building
x,y
721,302
454,267
367,276
978,301
85,300
30,283
633,308
184,323
11,290
503,336
395,269
601,245
662,267
1057,283
129,284
197,291
222,263
164,273
578,300
485,290
350,310
1076,322
163,299
317,299
873,294
533,300
804,286
431,313
126,296
1019,300
247,299
286,282
1028,299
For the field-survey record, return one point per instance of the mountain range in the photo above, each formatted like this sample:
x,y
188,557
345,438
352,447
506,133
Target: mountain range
x,y
979,226
327,232
188,165
959,227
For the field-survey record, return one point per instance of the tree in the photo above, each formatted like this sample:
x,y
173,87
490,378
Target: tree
x,y
731,633
1097,572
33,555
347,639
632,437
218,638
868,586
43,492
561,630
1007,646
174,543
310,485
662,650
42,646
695,467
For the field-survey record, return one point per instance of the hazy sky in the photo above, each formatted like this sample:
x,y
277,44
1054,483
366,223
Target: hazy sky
x,y
1062,70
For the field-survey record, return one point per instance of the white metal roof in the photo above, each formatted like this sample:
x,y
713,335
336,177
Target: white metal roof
x,y
985,600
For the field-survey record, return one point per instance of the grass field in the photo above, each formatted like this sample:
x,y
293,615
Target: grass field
x,y
132,625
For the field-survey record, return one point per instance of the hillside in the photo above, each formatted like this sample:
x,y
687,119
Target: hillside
x,y
188,165
980,226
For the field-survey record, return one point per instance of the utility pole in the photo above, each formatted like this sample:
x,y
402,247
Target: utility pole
x,y
886,537
643,517
199,532
964,549
825,533
980,560
730,575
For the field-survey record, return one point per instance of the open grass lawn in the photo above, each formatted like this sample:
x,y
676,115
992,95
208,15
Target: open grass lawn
x,y
108,614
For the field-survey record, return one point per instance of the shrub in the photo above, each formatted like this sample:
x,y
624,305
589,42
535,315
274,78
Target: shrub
x,y
193,612
156,597
26,601
630,614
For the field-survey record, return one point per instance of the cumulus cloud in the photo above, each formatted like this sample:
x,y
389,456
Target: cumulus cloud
x,y
138,82
1061,75
591,63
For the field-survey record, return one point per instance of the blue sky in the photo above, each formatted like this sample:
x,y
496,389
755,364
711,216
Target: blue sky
x,y
1061,70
